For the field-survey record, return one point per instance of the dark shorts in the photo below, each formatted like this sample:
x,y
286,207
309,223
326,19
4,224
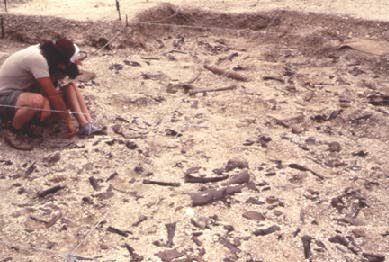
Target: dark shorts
x,y
7,104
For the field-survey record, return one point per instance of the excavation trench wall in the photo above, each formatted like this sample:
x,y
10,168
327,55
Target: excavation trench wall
x,y
283,27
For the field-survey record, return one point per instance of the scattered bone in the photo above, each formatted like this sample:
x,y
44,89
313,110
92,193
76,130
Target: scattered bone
x,y
203,180
306,169
227,73
123,233
307,246
266,231
95,183
242,178
140,220
51,190
30,169
171,232
134,256
378,99
275,78
152,182
373,257
203,198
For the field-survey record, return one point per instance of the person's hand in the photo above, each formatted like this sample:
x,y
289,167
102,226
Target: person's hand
x,y
71,130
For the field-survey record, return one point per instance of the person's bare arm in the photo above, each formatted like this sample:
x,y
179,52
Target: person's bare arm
x,y
57,101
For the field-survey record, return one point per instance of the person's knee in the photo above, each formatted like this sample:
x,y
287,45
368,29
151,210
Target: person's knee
x,y
69,88
37,101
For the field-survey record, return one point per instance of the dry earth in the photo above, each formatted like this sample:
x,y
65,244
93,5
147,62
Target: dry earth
x,y
305,130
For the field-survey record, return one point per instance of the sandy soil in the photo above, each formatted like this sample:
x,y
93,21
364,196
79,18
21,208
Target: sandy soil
x,y
306,132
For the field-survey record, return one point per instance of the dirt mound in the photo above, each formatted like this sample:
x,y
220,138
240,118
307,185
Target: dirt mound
x,y
171,14
166,19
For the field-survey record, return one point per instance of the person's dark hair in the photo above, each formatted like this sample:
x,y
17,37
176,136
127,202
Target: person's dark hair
x,y
59,51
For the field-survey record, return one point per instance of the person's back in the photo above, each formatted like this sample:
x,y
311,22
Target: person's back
x,y
21,69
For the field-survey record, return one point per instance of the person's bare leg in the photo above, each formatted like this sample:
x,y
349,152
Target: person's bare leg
x,y
82,104
28,105
45,113
72,102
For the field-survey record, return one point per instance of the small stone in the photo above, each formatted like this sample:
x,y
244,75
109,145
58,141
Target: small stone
x,y
236,163
334,147
360,153
253,215
229,228
277,213
248,142
271,200
52,159
200,222
359,232
252,200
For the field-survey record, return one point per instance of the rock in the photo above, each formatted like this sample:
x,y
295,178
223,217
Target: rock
x,y
169,255
173,133
339,240
233,248
229,228
253,215
358,232
51,159
252,200
236,163
200,222
334,147
116,67
263,141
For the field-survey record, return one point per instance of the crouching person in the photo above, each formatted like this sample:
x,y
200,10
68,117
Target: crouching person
x,y
28,88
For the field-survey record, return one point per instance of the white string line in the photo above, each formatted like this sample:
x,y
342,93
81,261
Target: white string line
x,y
42,110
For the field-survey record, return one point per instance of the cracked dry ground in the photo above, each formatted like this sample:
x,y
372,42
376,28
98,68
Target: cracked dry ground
x,y
290,165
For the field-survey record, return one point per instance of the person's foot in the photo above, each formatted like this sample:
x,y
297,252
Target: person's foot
x,y
16,140
89,130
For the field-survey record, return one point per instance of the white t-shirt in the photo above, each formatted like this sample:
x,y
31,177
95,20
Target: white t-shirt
x,y
21,69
